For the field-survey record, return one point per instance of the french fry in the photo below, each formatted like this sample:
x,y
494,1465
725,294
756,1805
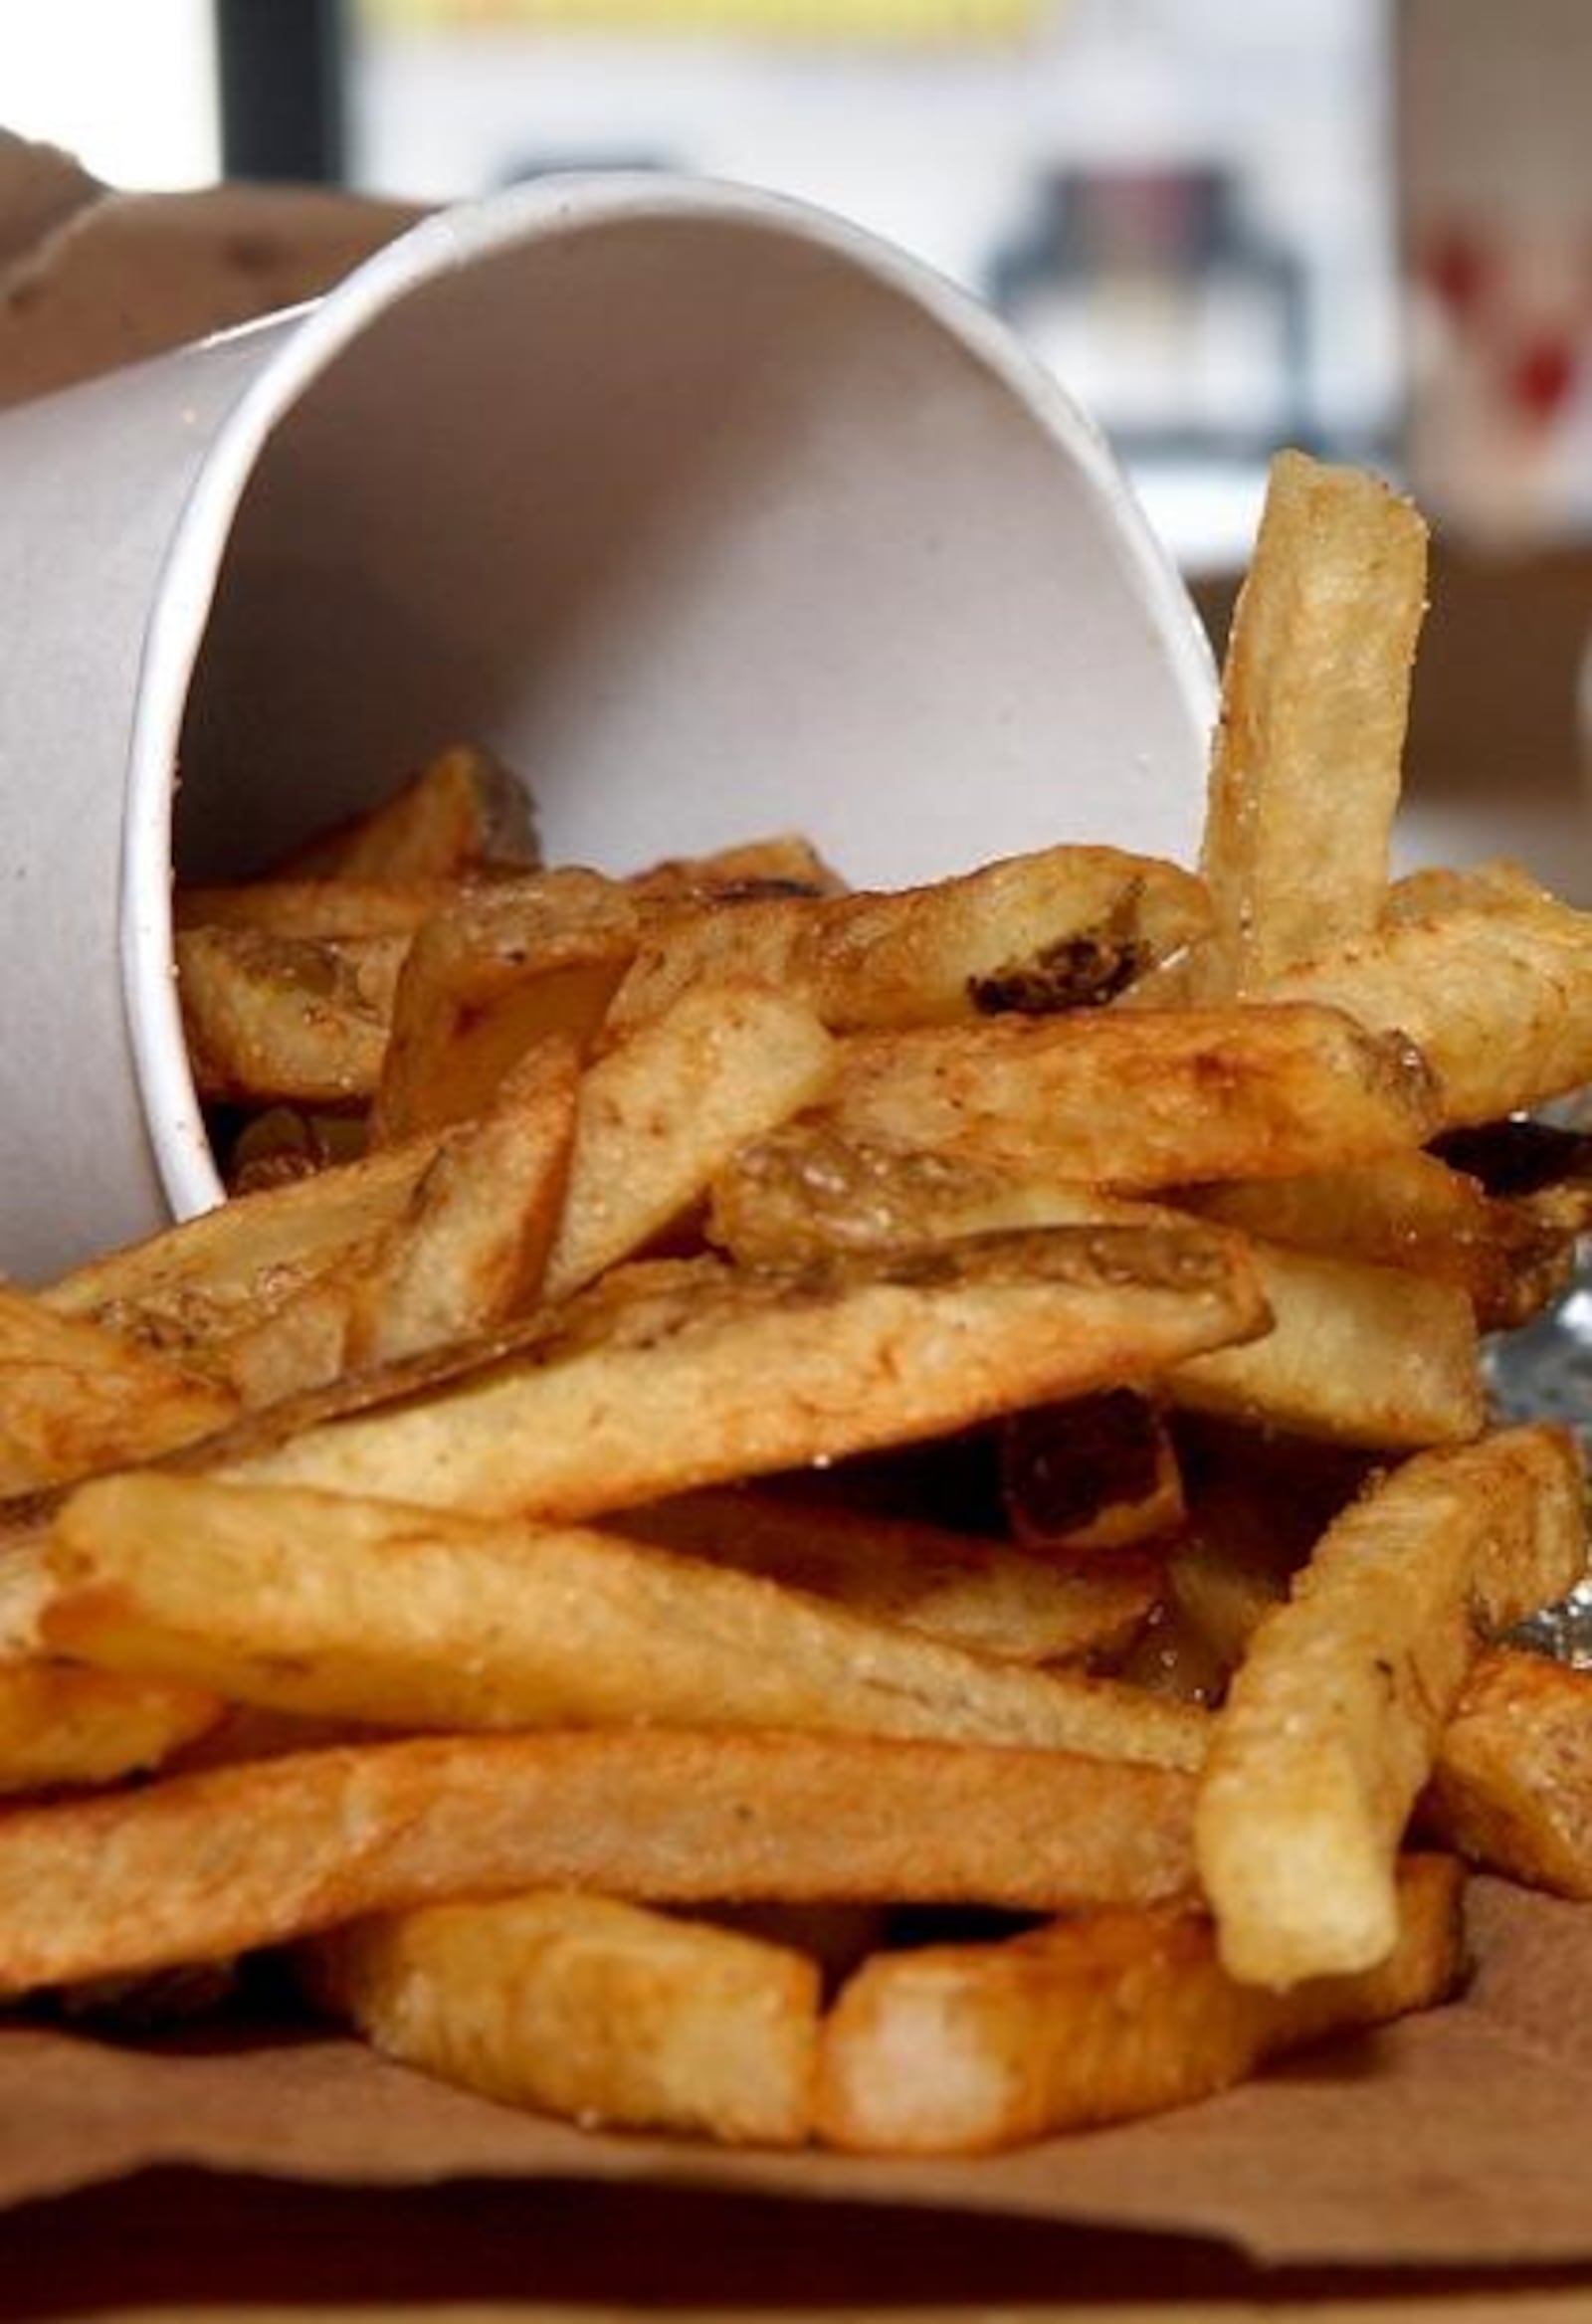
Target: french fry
x,y
344,1609
291,1018
1141,1100
579,2006
1061,929
1412,1212
224,1271
1357,1354
1499,885
984,1594
316,908
1315,700
1512,1784
659,1115
60,1725
971,2048
473,1246
299,1345
75,1397
201,1866
808,1191
1335,1716
1497,1001
484,982
459,812
670,1376
757,869
1408,1211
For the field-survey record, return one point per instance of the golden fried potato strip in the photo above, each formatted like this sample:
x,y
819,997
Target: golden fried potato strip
x,y
670,1376
75,1397
604,2013
407,1618
1335,1716
1143,1099
969,2048
197,1867
1314,702
988,1595
1065,928
1513,1786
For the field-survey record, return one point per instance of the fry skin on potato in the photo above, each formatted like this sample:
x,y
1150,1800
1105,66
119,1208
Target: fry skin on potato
x,y
1499,1002
227,1269
674,1374
287,1018
197,1867
1062,928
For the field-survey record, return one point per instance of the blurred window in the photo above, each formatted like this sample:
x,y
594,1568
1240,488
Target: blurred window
x,y
128,86
1185,205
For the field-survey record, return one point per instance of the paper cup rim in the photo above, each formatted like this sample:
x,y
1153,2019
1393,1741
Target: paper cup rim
x,y
308,340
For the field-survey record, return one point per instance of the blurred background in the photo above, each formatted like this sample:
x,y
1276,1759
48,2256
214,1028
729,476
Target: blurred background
x,y
1359,226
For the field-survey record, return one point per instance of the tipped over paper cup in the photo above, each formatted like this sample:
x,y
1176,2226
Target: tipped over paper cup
x,y
706,512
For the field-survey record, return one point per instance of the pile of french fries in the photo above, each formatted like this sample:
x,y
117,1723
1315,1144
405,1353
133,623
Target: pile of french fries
x,y
728,1421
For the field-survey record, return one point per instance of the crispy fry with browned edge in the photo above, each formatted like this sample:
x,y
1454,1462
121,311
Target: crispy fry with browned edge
x,y
61,1725
1314,701
1408,1211
196,1867
1061,929
1335,1716
227,1269
659,1115
1498,1001
485,980
669,1376
971,2048
459,812
1512,1784
410,1617
583,2007
299,1018
472,1247
1141,1100
75,1397
984,1593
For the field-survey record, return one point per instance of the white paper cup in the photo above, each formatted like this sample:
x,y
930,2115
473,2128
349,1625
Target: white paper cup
x,y
710,514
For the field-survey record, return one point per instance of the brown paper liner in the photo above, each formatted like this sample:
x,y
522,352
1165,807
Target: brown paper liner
x,y
1457,2139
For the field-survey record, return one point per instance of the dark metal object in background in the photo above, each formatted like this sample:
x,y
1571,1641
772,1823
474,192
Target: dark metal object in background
x,y
279,69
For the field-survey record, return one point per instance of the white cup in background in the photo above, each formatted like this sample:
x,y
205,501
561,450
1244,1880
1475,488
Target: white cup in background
x,y
708,513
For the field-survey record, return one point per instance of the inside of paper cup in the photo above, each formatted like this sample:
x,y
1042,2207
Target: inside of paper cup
x,y
708,528
711,519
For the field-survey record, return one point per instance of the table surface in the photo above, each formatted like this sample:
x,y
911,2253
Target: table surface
x,y
179,2244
